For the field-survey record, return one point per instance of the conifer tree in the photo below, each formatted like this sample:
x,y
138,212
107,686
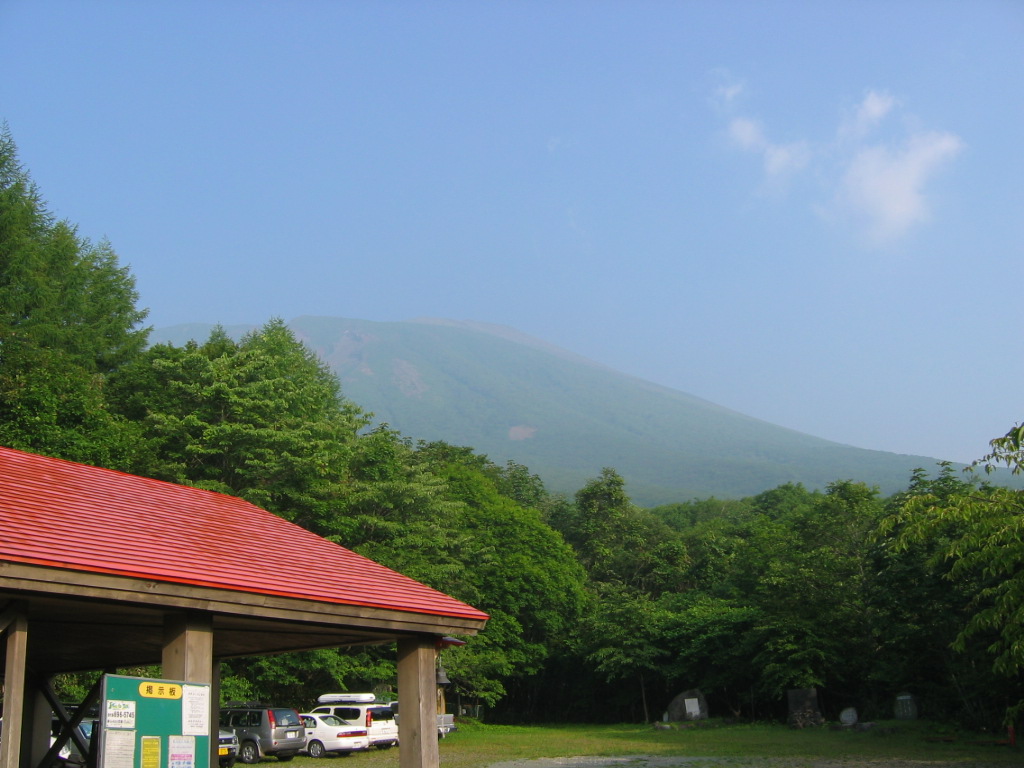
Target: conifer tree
x,y
68,318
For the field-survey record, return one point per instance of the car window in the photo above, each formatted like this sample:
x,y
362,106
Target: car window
x,y
347,713
309,722
286,717
241,719
382,713
330,720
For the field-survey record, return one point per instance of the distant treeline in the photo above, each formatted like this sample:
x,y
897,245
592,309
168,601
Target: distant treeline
x,y
600,610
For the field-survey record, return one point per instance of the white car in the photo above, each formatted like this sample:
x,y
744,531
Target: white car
x,y
327,733
360,710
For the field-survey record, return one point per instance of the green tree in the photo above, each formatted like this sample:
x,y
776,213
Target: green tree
x,y
262,419
68,318
398,511
816,626
522,572
922,608
616,541
712,642
980,535
626,638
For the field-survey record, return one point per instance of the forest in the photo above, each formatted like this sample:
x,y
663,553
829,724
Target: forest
x,y
601,611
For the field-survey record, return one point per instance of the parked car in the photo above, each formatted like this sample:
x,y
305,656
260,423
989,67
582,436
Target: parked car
x,y
445,722
68,753
227,747
264,730
362,710
327,733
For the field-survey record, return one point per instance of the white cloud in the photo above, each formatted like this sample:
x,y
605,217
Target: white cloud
x,y
869,113
884,186
778,159
728,89
786,158
727,94
747,133
881,186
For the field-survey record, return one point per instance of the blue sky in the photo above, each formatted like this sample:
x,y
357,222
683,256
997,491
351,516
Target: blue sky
x,y
809,212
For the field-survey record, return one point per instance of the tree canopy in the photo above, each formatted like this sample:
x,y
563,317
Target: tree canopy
x,y
600,610
68,318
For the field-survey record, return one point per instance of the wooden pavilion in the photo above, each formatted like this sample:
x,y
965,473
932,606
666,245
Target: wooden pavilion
x,y
102,570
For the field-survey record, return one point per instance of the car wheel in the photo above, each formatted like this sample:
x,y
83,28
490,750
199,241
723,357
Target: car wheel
x,y
248,752
315,749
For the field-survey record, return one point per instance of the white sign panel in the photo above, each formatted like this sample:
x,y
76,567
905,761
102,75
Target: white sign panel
x,y
119,714
195,710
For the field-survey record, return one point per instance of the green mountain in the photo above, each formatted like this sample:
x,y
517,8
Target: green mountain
x,y
511,396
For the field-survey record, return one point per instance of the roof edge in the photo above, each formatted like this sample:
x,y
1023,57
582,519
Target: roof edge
x,y
116,587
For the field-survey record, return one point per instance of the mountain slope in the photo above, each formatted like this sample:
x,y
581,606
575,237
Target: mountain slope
x,y
510,396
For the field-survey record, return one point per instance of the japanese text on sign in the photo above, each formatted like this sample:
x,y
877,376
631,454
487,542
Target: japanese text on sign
x,y
157,690
119,714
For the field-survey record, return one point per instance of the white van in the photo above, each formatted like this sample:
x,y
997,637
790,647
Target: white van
x,y
363,710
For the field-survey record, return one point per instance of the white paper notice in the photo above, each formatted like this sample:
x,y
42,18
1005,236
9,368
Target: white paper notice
x,y
119,749
181,752
195,710
119,714
692,707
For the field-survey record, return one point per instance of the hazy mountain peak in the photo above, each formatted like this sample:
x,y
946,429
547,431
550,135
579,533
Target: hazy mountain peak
x,y
515,397
509,334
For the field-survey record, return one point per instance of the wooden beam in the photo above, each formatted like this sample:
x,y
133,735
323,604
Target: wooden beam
x,y
59,582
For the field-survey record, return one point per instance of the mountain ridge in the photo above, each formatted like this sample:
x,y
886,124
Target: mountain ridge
x,y
514,397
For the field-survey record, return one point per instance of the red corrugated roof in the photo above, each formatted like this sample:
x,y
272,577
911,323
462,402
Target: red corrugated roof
x,y
65,515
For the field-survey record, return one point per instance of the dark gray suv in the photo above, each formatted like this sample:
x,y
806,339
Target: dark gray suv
x,y
263,730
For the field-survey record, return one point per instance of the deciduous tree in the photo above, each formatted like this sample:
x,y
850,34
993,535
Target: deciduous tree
x,y
980,534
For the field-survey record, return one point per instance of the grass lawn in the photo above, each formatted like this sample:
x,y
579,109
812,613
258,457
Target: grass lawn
x,y
771,746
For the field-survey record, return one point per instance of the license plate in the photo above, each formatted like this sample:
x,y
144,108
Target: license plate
x,y
292,734
222,751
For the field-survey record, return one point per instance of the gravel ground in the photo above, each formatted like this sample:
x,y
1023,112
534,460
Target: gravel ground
x,y
660,761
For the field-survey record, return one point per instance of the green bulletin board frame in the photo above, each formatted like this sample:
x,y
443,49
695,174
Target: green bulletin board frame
x,y
149,723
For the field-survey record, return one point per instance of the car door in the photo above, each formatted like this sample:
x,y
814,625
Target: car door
x,y
309,723
243,723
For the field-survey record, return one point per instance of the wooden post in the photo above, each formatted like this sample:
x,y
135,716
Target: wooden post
x,y
188,656
417,696
188,647
15,625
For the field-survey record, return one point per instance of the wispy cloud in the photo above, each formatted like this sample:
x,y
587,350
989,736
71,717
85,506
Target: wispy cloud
x,y
868,115
885,185
880,184
778,159
726,89
728,93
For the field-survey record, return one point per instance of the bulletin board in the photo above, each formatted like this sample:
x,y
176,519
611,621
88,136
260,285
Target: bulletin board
x,y
148,723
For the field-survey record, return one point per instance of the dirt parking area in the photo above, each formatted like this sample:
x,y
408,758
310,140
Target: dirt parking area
x,y
660,761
